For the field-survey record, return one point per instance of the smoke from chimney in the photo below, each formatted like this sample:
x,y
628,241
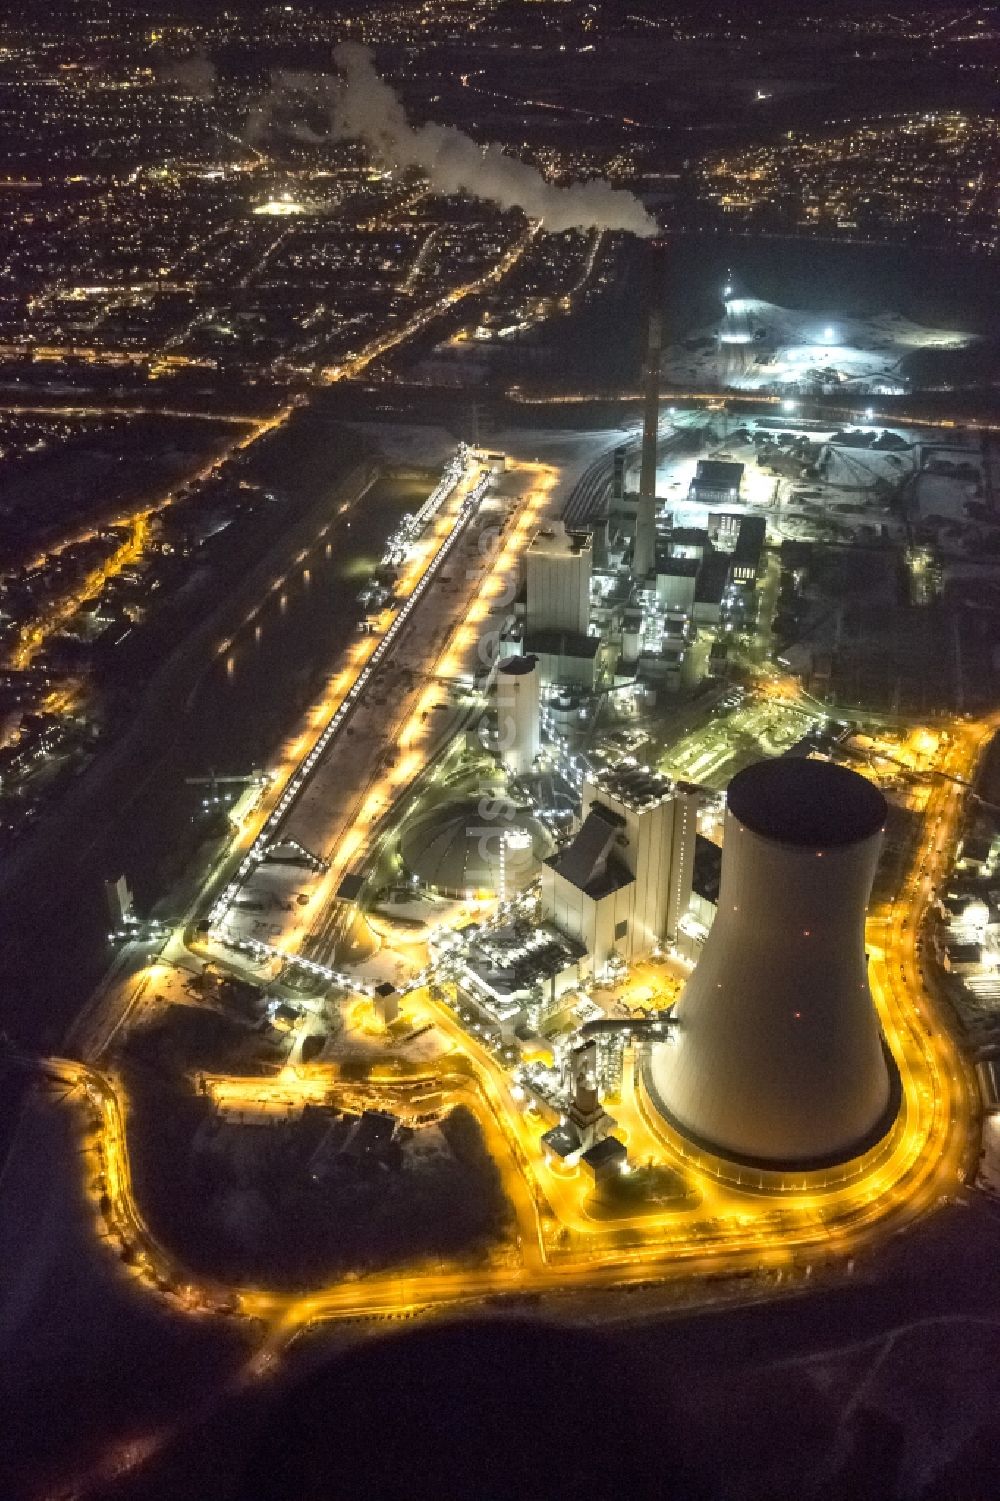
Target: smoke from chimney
x,y
361,105
368,108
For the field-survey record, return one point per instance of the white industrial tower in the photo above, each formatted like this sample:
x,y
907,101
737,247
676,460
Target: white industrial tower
x,y
518,712
558,572
777,1058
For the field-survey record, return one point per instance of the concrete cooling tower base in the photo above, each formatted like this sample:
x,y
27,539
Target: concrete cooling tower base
x,y
776,1165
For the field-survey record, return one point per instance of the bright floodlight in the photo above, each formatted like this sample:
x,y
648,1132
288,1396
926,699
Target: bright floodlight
x,y
788,405
280,208
869,414
727,290
828,334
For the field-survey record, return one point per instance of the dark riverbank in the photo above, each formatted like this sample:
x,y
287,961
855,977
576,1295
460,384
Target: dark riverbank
x,y
203,711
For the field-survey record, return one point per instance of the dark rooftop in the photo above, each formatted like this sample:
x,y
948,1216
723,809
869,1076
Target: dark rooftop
x,y
678,568
712,578
518,666
806,802
562,644
612,876
609,1150
964,953
750,539
717,474
584,860
562,1140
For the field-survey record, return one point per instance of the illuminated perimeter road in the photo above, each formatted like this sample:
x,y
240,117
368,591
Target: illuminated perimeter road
x,y
711,1218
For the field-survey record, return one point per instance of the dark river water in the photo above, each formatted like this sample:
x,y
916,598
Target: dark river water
x,y
246,701
251,696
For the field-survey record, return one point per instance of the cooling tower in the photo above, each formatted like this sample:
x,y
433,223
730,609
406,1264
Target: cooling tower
x,y
777,1057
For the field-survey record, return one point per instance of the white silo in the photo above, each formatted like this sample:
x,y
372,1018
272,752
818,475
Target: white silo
x,y
777,1058
519,712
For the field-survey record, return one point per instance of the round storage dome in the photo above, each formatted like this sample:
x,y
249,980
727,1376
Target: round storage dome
x,y
483,845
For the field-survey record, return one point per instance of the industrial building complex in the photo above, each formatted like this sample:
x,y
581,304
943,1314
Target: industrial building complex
x,y
500,751
572,840
648,970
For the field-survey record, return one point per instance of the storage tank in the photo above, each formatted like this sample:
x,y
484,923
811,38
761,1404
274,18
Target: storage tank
x,y
777,1058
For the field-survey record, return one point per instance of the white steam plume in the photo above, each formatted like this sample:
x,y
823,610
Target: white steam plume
x,y
366,107
359,104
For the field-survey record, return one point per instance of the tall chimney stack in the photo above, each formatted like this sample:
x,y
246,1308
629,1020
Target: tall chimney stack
x,y
644,552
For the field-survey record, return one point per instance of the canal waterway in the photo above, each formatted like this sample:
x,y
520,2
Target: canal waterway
x,y
247,700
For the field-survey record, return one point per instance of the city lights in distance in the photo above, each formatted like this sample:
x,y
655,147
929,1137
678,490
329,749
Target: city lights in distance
x,y
280,208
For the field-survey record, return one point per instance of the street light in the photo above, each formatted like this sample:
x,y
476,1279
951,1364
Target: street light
x,y
788,405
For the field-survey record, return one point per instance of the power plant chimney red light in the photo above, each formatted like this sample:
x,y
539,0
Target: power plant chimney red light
x,y
777,1059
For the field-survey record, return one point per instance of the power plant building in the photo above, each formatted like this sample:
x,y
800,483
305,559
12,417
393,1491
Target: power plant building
x,y
777,1059
564,657
710,589
747,560
676,582
716,482
519,712
624,882
558,577
119,899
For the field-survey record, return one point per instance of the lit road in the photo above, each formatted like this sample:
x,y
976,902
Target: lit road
x,y
411,732
124,987
309,754
58,612
77,409
749,399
